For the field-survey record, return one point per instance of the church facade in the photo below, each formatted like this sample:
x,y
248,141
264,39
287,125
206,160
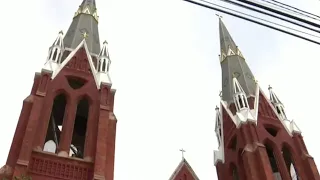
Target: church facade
x,y
67,127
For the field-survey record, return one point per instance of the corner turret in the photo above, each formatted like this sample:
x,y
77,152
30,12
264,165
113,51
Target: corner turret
x,y
290,125
55,53
104,63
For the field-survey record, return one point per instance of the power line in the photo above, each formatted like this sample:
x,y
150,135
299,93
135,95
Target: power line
x,y
297,12
296,8
278,12
269,14
262,24
259,18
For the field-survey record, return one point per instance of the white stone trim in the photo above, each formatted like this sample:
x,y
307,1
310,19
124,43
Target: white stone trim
x,y
230,52
53,62
255,110
239,96
86,10
243,115
219,154
294,127
98,78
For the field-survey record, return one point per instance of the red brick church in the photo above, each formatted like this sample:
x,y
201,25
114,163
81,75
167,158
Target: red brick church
x,y
67,128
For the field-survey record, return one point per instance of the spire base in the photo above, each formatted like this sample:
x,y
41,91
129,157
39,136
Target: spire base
x,y
50,66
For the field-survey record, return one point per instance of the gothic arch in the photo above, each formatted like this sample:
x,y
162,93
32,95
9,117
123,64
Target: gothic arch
x,y
233,143
272,156
288,155
87,97
80,127
57,115
64,92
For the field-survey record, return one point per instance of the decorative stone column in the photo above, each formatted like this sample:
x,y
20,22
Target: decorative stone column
x,y
67,128
91,134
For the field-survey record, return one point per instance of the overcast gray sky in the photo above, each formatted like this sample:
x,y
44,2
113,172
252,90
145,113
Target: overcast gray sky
x,y
166,70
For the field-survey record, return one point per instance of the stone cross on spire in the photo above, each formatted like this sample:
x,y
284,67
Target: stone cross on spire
x,y
182,152
219,16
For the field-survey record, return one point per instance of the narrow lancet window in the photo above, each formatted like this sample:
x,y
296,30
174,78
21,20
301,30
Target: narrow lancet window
x,y
99,64
289,163
104,65
55,55
273,162
241,101
80,129
280,110
56,120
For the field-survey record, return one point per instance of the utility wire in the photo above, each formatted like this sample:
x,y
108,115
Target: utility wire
x,y
262,24
269,14
284,7
295,8
279,12
258,18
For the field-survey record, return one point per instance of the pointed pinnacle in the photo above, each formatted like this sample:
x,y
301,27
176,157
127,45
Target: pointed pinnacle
x,y
217,108
105,42
269,88
61,32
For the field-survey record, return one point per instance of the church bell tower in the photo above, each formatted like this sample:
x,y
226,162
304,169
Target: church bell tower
x,y
256,139
67,127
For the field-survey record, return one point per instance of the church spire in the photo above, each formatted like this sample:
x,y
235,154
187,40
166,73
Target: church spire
x,y
233,65
84,24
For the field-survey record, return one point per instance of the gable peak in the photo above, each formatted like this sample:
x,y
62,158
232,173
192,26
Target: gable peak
x,y
98,77
184,170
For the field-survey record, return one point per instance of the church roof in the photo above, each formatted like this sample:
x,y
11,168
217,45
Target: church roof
x,y
183,170
85,23
233,64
